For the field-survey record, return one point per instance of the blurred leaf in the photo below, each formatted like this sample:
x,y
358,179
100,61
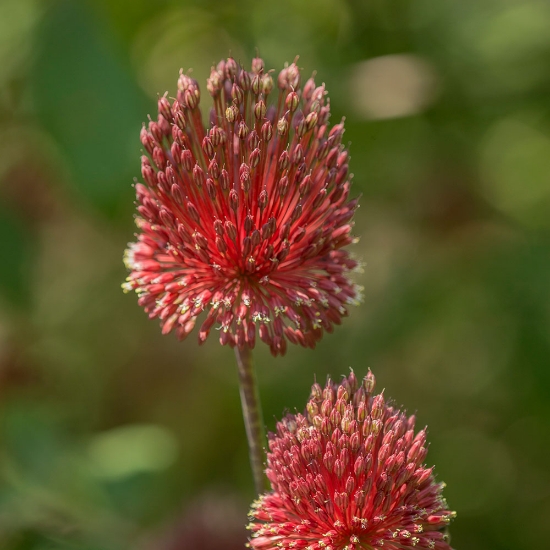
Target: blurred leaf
x,y
128,450
17,17
31,439
87,99
520,275
16,251
515,160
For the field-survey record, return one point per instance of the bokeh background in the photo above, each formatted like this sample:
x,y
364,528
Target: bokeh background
x,y
114,437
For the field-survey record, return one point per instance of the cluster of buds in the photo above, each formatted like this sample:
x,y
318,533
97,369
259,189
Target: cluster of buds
x,y
349,475
246,221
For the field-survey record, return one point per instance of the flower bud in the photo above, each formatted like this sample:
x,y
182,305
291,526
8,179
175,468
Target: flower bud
x,y
292,101
231,68
284,161
311,121
224,179
231,230
282,126
262,199
207,147
165,109
214,169
231,114
198,176
237,94
256,84
267,132
187,160
146,140
233,200
191,99
218,227
245,80
242,130
309,87
257,65
254,158
259,110
267,84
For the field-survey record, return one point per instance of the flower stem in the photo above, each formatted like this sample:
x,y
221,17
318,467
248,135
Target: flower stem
x,y
252,413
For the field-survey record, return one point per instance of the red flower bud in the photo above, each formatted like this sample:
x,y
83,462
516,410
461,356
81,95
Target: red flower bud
x,y
256,200
327,491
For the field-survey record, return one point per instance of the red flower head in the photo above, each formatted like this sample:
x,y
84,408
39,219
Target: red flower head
x,y
349,475
245,221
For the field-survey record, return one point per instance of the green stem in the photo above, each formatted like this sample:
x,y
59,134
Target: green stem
x,y
252,413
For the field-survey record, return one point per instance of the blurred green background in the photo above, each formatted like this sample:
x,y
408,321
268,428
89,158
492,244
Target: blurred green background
x,y
114,437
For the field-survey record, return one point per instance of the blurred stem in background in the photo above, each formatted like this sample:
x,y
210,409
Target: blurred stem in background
x,y
252,413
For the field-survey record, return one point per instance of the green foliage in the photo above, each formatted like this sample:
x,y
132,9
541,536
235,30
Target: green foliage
x,y
113,436
87,100
16,250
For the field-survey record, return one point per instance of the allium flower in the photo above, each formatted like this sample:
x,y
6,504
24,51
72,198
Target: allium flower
x,y
247,220
349,475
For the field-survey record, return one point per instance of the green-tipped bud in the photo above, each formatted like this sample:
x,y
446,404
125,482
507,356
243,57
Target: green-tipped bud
x,y
267,84
231,114
260,110
369,381
292,101
256,84
267,131
282,126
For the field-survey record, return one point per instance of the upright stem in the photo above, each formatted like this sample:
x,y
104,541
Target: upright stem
x,y
252,413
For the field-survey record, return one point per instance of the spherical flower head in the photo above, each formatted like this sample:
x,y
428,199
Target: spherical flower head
x,y
349,475
246,221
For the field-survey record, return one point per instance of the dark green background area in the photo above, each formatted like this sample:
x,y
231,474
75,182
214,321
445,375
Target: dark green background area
x,y
114,437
